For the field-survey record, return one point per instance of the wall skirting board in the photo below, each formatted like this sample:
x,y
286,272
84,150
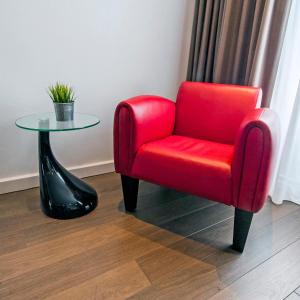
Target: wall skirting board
x,y
27,181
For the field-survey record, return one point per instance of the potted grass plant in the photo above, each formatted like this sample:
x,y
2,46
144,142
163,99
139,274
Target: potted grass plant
x,y
63,99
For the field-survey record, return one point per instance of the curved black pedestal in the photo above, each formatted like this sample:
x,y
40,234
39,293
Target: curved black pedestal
x,y
63,196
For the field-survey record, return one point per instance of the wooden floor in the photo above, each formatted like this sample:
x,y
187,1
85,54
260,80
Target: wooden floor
x,y
175,246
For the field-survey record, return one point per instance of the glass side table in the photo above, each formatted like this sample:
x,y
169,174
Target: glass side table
x,y
63,196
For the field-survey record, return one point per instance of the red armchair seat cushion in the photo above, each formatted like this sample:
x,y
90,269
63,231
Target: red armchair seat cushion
x,y
196,166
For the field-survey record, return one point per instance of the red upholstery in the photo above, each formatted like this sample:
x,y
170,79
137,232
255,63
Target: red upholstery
x,y
137,121
187,164
255,148
203,109
216,145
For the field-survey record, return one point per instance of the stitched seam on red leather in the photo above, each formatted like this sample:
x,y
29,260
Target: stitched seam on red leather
x,y
242,168
124,106
117,137
260,166
259,173
130,139
130,152
243,161
132,130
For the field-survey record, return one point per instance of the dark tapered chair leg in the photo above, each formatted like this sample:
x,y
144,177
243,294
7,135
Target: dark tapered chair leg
x,y
130,192
242,222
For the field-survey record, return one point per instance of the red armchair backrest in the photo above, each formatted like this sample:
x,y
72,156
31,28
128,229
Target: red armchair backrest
x,y
213,111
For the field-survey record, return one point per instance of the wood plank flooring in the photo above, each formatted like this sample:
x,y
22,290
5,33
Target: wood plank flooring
x,y
175,246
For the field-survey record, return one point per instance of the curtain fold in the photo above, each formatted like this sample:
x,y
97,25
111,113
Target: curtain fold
x,y
286,102
287,184
238,42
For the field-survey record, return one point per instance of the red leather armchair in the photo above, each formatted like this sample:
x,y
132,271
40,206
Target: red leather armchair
x,y
214,142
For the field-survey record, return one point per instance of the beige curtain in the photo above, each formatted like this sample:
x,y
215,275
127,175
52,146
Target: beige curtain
x,y
238,42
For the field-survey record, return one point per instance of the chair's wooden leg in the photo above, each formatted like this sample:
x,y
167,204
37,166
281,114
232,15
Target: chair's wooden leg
x,y
130,188
242,222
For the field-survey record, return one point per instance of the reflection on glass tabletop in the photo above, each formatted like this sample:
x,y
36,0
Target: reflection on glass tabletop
x,y
47,122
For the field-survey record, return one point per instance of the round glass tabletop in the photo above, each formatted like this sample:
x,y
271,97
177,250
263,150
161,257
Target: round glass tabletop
x,y
47,122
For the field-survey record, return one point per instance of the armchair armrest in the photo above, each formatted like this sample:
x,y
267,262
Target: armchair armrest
x,y
255,149
137,121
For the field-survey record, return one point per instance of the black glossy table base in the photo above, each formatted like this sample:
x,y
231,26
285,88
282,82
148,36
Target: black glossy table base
x,y
63,195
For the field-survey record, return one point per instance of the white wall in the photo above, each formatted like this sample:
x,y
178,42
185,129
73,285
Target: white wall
x,y
107,50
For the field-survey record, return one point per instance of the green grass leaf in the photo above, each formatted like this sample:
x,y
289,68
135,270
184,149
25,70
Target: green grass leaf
x,y
61,93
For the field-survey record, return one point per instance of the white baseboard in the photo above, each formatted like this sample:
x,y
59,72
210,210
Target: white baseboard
x,y
27,181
